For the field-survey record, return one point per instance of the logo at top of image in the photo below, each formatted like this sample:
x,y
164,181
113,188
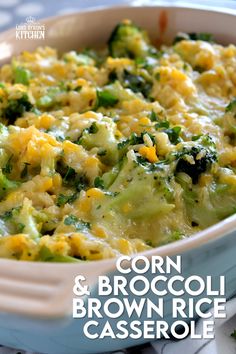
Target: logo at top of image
x,y
30,29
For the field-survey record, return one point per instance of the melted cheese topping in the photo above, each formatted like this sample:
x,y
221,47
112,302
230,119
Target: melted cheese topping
x,y
103,155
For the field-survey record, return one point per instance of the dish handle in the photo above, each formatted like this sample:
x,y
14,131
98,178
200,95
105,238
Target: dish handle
x,y
44,289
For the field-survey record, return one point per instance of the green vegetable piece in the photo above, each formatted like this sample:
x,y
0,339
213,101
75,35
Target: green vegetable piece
x,y
63,199
78,58
60,138
97,56
105,99
154,197
70,220
99,183
36,111
218,203
93,129
7,215
79,224
121,145
8,167
137,83
134,139
112,76
78,88
153,116
81,183
180,37
20,227
128,40
71,178
176,235
149,243
22,75
45,102
231,107
162,124
45,255
202,36
148,62
196,137
102,152
16,108
109,177
70,174
206,147
6,185
173,134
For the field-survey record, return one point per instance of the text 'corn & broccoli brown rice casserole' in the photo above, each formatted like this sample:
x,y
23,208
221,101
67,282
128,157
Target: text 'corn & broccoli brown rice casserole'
x,y
114,151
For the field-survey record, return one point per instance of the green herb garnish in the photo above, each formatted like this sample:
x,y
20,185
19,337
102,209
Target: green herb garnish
x,y
63,199
231,106
24,172
8,167
79,224
105,99
99,183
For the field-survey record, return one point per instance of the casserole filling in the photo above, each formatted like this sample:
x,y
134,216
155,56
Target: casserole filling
x,y
114,151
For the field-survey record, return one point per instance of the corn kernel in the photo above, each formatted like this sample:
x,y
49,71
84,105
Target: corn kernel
x,y
124,246
99,231
95,193
91,162
46,121
144,121
228,179
57,180
149,153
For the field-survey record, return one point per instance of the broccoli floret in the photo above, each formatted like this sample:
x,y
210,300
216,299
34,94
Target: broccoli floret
x,y
173,133
26,221
231,107
228,121
16,108
62,199
128,40
198,158
202,36
155,194
71,178
102,135
22,75
137,83
207,205
105,98
78,58
99,183
78,224
45,255
6,185
134,139
49,100
8,166
98,56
